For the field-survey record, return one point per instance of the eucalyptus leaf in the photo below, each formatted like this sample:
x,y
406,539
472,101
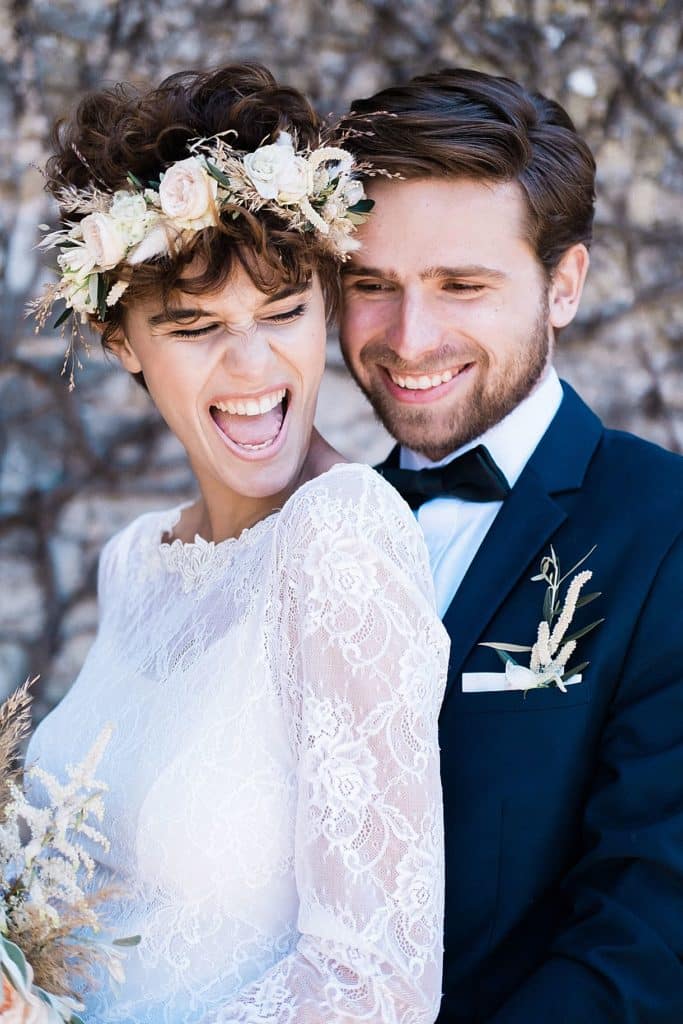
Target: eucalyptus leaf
x,y
134,180
506,647
62,317
587,598
582,632
130,940
580,562
575,670
102,290
548,606
14,964
506,658
362,206
221,178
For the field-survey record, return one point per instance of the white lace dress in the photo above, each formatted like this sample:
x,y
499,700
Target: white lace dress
x,y
274,803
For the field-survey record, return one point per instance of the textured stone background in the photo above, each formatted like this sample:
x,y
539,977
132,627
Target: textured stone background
x,y
76,467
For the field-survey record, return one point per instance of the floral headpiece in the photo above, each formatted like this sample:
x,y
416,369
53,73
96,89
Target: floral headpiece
x,y
310,189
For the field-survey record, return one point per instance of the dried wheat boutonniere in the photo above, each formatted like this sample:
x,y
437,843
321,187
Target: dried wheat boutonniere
x,y
550,655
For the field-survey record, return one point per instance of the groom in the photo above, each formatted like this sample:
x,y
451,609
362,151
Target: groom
x,y
562,759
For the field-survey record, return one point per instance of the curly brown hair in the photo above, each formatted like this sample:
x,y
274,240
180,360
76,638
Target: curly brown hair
x,y
121,130
462,123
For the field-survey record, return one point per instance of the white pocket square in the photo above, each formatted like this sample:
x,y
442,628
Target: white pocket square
x,y
494,682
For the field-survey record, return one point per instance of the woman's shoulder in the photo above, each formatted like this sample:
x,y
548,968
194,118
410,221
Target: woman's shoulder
x,y
129,543
351,511
351,488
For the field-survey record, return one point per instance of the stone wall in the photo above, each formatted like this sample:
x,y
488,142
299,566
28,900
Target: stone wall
x,y
77,466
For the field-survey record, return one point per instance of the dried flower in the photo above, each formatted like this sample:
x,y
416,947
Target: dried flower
x,y
548,657
46,916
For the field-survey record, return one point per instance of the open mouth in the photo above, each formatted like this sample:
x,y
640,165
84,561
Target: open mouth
x,y
252,424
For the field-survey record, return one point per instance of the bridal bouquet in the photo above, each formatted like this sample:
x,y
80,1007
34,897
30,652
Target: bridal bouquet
x,y
47,921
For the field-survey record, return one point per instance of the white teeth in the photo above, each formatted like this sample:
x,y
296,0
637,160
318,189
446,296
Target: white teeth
x,y
252,406
423,382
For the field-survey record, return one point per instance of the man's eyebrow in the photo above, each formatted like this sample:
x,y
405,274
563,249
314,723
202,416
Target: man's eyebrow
x,y
353,270
468,270
430,273
182,314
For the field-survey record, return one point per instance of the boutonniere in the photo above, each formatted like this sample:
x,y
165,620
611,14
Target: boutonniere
x,y
554,647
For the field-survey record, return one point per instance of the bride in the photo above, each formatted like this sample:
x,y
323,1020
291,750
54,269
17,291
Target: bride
x,y
269,655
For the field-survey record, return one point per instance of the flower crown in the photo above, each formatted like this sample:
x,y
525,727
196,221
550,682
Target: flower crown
x,y
310,189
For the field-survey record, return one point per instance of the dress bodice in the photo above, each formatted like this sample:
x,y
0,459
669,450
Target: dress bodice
x,y
273,807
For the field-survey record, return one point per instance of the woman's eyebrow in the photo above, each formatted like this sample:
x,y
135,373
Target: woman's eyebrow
x,y
173,316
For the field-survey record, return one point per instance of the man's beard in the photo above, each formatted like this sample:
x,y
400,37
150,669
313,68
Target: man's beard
x,y
416,426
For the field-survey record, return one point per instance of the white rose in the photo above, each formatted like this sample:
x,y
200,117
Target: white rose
x,y
78,293
127,206
353,192
130,213
276,172
187,194
103,240
76,262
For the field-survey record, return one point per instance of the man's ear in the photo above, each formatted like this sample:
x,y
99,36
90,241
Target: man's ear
x,y
566,285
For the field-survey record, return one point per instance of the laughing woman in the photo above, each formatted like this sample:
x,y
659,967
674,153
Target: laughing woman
x,y
269,654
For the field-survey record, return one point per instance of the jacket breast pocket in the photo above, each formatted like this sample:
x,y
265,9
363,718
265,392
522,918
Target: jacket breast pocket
x,y
467,700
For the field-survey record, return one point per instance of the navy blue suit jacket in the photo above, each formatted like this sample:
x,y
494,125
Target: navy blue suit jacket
x,y
564,811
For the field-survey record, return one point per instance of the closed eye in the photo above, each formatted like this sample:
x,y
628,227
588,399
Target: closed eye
x,y
288,316
198,333
372,287
462,286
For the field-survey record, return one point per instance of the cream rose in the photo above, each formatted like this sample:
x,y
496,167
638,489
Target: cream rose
x,y
187,193
103,240
16,1008
130,213
353,192
276,172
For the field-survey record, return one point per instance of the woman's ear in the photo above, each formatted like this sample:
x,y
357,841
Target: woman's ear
x,y
117,343
123,351
567,285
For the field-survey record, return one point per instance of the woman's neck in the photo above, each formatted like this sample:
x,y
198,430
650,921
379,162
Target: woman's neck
x,y
219,514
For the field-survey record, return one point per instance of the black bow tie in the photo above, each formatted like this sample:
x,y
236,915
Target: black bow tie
x,y
473,476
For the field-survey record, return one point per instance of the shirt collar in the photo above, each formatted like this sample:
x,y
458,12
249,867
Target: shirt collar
x,y
512,441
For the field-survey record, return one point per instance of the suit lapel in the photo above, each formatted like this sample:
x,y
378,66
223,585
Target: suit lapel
x,y
522,528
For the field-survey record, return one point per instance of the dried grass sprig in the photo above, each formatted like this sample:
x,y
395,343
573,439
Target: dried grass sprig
x,y
15,725
49,921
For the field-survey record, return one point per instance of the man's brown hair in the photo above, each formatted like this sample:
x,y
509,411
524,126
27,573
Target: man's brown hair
x,y
458,123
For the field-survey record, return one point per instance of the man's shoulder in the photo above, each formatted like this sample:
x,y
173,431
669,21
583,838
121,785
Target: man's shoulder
x,y
646,468
623,461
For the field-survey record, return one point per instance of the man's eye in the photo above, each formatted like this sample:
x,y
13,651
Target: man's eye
x,y
371,287
462,286
289,315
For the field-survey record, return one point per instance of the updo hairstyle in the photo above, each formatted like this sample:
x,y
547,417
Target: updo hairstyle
x,y
121,130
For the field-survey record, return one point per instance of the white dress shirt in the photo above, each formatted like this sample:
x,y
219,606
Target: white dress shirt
x,y
454,528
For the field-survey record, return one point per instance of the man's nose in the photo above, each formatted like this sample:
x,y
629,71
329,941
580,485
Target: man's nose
x,y
414,330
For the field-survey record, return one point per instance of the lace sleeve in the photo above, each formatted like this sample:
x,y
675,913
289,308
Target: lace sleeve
x,y
361,661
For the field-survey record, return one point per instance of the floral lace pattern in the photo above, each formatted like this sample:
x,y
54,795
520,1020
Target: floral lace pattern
x,y
274,808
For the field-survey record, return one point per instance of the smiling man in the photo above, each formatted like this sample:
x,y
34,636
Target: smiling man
x,y
562,726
